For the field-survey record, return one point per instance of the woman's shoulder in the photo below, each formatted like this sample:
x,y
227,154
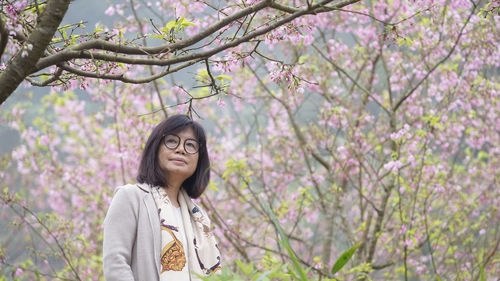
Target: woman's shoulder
x,y
133,188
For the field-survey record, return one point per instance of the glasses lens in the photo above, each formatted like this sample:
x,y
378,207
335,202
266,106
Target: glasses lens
x,y
191,146
172,141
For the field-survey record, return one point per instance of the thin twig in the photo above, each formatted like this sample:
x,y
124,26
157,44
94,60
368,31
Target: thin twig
x,y
455,44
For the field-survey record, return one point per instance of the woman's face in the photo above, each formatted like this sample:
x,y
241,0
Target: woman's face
x,y
177,164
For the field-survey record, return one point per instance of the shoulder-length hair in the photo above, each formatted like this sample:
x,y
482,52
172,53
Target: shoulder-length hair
x,y
149,168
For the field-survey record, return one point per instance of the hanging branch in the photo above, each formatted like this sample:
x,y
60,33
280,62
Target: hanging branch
x,y
101,50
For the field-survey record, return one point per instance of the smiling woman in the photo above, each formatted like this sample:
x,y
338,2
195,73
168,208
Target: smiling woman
x,y
174,169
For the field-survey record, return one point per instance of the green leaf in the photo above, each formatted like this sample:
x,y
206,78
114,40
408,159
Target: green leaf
x,y
222,77
64,27
171,24
212,185
482,155
286,243
246,269
303,59
159,36
438,278
184,22
481,272
425,22
176,25
344,258
202,74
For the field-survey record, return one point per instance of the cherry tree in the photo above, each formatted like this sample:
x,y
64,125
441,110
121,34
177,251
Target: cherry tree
x,y
376,125
39,43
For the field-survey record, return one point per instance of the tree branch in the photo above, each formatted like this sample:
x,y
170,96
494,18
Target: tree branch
x,y
104,45
126,79
10,201
151,72
455,44
4,37
85,54
21,66
47,82
350,78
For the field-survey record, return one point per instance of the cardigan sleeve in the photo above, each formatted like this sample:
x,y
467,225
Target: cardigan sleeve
x,y
120,227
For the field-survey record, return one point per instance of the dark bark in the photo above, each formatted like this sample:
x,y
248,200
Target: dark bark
x,y
20,66
4,37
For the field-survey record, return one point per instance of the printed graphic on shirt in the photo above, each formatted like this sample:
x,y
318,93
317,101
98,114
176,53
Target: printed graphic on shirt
x,y
172,255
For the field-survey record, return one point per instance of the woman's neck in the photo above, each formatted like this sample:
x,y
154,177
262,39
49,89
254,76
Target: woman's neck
x,y
173,196
172,190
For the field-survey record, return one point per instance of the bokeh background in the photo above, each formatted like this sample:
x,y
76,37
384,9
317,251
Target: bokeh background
x,y
377,124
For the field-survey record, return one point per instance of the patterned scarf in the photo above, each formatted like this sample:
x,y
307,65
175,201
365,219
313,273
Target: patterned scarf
x,y
202,250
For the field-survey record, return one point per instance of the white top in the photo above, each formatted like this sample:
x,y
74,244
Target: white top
x,y
182,232
182,275
180,227
174,254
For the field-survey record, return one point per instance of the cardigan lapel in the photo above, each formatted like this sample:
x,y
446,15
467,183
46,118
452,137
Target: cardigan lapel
x,y
154,221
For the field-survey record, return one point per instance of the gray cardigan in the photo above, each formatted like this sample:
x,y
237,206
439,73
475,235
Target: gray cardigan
x,y
131,243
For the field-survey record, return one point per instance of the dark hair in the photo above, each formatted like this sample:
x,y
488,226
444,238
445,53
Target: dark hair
x,y
149,168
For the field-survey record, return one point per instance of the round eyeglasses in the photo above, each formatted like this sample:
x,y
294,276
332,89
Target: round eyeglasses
x,y
191,146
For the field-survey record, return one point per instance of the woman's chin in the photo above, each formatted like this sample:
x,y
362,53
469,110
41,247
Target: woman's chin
x,y
179,172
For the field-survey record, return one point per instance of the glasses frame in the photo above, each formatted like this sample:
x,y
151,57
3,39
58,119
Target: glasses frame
x,y
179,142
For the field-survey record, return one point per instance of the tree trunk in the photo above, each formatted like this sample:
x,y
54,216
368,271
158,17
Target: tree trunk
x,y
21,66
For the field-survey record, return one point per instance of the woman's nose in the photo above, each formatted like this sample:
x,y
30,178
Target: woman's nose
x,y
180,148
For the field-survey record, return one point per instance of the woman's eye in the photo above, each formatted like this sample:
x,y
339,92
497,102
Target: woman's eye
x,y
171,141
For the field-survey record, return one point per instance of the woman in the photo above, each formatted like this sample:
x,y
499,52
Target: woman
x,y
153,230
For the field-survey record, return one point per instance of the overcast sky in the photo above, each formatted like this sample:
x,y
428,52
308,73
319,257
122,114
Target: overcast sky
x,y
90,11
